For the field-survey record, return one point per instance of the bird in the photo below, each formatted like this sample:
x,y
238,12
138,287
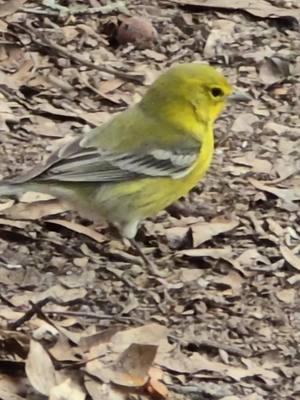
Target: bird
x,y
144,158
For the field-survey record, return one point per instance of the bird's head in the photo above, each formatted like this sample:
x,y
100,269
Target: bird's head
x,y
189,91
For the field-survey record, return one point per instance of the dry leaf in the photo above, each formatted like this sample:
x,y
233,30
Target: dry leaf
x,y
32,197
225,252
258,8
10,7
6,205
189,274
11,388
290,257
154,334
132,367
257,165
287,296
102,391
273,70
154,386
244,122
15,224
198,362
39,369
204,231
67,390
288,195
36,210
84,230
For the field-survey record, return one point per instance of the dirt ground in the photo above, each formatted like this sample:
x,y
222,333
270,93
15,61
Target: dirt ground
x,y
225,310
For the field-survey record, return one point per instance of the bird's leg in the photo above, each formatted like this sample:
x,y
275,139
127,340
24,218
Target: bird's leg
x,y
152,267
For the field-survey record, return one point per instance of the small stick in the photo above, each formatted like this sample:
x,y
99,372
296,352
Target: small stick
x,y
30,313
46,42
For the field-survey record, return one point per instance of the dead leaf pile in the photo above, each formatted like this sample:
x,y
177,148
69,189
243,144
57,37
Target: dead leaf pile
x,y
80,316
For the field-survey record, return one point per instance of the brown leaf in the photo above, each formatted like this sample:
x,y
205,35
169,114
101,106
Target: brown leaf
x,y
214,253
259,8
155,387
287,296
177,235
290,257
273,70
102,391
10,7
11,388
204,231
233,280
15,224
69,389
288,195
39,369
84,230
244,122
257,165
154,334
132,367
6,205
198,362
36,210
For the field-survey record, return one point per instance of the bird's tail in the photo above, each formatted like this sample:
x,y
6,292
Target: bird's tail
x,y
11,189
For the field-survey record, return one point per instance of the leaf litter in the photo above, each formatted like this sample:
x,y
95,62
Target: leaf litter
x,y
79,316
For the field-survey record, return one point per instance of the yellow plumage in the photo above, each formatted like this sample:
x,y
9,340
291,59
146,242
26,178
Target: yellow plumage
x,y
143,159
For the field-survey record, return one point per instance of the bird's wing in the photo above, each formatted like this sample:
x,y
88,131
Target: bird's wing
x,y
76,163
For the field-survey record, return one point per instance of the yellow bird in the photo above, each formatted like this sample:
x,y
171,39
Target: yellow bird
x,y
144,158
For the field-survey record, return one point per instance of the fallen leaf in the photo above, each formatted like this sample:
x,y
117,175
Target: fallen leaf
x,y
39,369
259,8
233,280
7,204
189,274
155,386
84,230
132,367
130,304
69,389
290,257
273,70
10,7
32,197
244,122
215,43
287,296
11,387
15,224
257,165
102,391
225,252
204,231
198,362
36,210
288,195
154,334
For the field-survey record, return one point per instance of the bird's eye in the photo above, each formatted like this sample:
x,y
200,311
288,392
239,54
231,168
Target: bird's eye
x,y
217,92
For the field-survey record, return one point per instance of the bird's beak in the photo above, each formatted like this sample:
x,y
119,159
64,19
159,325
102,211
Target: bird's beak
x,y
239,96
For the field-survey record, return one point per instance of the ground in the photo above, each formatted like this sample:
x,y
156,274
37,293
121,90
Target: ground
x,y
226,306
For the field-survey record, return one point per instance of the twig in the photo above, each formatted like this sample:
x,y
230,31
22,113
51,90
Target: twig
x,y
8,43
46,42
30,313
38,11
208,343
79,10
94,315
235,351
202,392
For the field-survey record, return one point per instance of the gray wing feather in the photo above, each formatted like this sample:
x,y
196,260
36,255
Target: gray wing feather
x,y
75,163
